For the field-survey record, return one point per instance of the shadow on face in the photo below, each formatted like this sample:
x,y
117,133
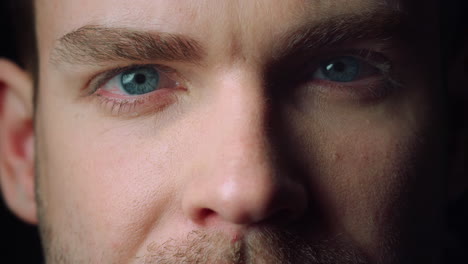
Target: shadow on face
x,y
234,132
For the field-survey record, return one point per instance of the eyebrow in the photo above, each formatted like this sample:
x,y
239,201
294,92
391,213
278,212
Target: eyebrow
x,y
94,44
379,25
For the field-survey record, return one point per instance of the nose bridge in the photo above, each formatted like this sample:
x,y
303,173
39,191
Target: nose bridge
x,y
240,182
243,118
244,165
241,129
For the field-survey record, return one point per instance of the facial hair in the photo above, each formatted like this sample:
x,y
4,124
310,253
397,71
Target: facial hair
x,y
261,246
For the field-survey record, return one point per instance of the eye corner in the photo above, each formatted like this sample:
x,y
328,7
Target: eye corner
x,y
121,90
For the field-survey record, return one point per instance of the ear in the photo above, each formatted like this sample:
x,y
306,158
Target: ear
x,y
17,141
457,79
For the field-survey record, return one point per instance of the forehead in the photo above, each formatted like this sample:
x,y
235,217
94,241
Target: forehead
x,y
242,20
150,13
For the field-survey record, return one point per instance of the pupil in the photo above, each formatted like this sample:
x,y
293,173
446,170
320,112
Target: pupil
x,y
140,78
339,66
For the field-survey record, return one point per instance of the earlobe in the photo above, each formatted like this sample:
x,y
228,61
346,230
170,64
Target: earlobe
x,y
17,141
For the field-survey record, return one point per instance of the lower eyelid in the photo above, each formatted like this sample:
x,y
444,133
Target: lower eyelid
x,y
109,93
140,105
370,89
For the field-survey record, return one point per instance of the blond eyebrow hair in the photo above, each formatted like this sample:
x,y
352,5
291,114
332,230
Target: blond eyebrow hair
x,y
93,44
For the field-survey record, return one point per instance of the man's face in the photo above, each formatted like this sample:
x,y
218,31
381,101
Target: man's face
x,y
233,132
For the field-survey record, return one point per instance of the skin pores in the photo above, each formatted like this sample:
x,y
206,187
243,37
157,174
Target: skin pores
x,y
248,143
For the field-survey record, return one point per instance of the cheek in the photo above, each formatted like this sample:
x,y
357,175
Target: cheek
x,y
104,176
358,168
365,179
367,175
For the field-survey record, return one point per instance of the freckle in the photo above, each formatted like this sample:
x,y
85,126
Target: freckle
x,y
336,156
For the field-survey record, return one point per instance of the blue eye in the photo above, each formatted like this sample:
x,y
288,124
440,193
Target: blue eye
x,y
340,69
140,80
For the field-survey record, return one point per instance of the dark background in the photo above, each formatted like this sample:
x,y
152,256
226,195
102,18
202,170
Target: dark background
x,y
19,242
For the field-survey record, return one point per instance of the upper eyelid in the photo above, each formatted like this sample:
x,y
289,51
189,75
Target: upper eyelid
x,y
364,54
373,58
312,58
298,71
99,79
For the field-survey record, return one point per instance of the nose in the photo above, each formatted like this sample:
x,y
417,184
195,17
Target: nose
x,y
238,179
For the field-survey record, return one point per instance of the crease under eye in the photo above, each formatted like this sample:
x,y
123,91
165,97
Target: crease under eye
x,y
135,90
359,76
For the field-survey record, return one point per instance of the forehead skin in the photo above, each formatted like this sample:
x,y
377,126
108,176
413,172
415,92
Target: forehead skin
x,y
111,186
244,19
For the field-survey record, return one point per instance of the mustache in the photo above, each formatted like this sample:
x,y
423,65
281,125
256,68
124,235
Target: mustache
x,y
261,246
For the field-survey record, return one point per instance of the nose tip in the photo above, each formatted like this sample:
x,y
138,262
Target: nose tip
x,y
237,179
245,200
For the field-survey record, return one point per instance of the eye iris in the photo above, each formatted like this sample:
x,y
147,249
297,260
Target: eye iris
x,y
140,81
342,69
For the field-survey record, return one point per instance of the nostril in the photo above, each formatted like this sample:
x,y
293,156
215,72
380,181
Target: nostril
x,y
205,214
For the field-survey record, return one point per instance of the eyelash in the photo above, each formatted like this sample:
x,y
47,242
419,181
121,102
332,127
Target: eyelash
x,y
133,105
101,78
378,89
164,97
